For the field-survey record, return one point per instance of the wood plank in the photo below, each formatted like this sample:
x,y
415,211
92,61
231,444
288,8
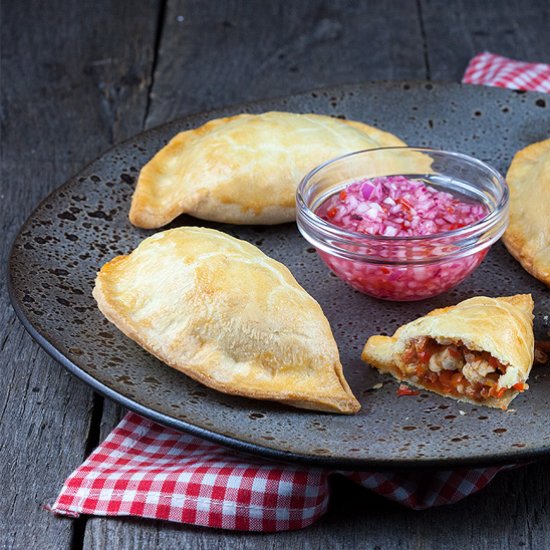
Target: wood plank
x,y
74,80
456,31
214,54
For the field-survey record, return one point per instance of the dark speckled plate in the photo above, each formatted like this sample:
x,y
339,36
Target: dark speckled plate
x,y
84,224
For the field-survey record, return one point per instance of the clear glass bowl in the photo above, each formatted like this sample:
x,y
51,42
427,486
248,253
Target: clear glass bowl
x,y
404,268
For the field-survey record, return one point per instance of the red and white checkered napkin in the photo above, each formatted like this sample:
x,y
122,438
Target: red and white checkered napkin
x,y
146,470
494,70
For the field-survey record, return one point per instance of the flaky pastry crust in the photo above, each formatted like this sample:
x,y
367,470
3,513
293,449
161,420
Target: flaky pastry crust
x,y
527,237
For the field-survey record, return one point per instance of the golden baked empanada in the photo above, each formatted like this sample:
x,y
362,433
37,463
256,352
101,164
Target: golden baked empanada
x,y
227,315
528,235
244,169
479,351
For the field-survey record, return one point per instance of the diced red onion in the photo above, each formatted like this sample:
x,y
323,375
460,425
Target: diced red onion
x,y
366,190
417,208
396,206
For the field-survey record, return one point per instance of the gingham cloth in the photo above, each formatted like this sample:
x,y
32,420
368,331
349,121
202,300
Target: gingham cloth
x,y
489,69
146,470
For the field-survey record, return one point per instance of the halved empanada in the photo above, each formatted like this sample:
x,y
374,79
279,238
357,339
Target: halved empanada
x,y
479,351
244,169
227,315
528,235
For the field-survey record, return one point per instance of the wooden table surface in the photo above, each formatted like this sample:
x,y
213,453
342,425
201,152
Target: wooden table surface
x,y
80,76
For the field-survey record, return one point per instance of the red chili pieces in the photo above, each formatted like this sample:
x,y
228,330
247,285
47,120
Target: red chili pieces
x,y
405,390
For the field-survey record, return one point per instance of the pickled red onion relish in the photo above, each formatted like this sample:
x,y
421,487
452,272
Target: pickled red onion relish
x,y
396,206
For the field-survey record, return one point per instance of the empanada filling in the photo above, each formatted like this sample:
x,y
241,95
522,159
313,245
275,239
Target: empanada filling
x,y
452,368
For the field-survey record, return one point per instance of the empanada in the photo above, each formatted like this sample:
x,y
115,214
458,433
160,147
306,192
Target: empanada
x,y
528,235
479,351
219,310
244,169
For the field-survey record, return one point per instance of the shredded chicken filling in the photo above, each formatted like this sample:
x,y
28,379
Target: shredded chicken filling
x,y
454,369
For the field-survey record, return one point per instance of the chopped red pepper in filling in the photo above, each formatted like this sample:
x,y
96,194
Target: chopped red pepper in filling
x,y
454,369
405,390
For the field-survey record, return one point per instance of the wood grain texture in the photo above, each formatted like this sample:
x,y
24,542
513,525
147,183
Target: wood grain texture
x,y
217,53
456,31
75,78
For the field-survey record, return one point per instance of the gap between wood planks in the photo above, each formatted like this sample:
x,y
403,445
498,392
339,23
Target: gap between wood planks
x,y
424,39
94,431
158,37
92,441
